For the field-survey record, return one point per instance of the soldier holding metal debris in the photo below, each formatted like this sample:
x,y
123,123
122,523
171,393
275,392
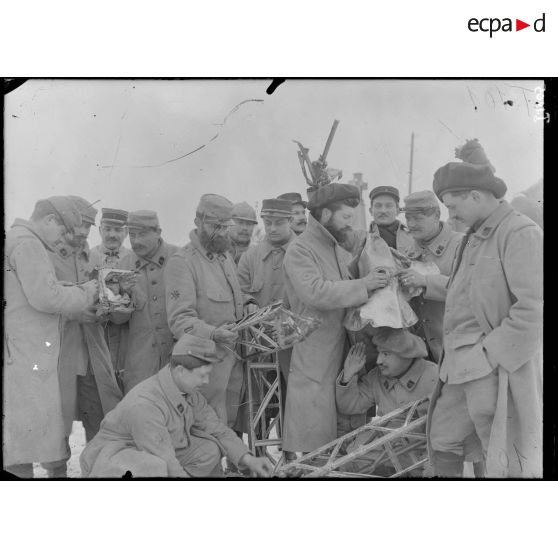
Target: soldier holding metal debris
x,y
150,341
203,294
318,281
33,426
88,386
434,241
165,428
113,231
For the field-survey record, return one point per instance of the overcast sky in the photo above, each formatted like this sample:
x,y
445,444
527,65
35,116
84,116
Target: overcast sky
x,y
115,140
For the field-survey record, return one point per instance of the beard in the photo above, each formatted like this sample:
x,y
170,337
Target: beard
x,y
216,244
339,234
77,241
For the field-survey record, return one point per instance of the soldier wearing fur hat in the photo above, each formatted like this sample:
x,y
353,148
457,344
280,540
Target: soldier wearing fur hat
x,y
88,386
165,428
150,340
490,370
317,281
402,375
33,426
203,294
240,232
436,242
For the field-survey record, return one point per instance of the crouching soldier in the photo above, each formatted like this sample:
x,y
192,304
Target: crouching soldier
x,y
402,375
165,428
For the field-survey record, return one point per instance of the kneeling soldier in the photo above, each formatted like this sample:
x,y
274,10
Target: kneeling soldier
x,y
401,376
164,427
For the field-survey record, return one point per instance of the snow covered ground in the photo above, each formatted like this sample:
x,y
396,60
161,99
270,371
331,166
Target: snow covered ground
x,y
77,443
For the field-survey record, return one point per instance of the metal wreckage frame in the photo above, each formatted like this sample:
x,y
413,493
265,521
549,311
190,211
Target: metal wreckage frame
x,y
394,444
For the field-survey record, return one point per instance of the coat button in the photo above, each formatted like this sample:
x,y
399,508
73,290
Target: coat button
x,y
153,282
154,297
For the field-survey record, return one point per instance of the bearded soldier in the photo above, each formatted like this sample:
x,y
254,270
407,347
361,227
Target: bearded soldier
x,y
203,294
318,282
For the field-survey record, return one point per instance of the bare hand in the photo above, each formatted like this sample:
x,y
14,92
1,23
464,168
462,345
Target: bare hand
x,y
261,466
409,278
250,308
376,279
354,362
224,335
89,315
92,290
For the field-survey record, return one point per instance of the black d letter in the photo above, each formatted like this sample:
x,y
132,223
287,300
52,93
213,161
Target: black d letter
x,y
535,25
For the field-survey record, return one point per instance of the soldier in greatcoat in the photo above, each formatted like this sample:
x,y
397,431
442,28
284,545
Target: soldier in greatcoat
x,y
113,254
33,426
203,294
318,282
150,340
88,386
490,382
436,242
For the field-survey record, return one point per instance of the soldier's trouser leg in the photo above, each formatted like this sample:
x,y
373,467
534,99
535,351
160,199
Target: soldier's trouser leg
x,y
202,458
216,391
23,470
89,405
461,411
234,396
58,469
138,463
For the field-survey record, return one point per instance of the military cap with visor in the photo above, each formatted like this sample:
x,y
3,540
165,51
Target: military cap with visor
x,y
245,212
333,192
294,197
419,202
459,177
384,191
88,212
192,352
400,342
276,208
117,217
213,208
66,210
143,219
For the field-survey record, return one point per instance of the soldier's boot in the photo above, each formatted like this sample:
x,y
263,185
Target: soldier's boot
x,y
57,472
23,470
447,465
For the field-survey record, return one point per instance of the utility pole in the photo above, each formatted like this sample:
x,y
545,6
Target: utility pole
x,y
411,162
360,217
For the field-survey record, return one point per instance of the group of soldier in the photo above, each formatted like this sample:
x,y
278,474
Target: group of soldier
x,y
159,388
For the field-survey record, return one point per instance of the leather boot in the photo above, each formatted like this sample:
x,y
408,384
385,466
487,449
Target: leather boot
x,y
447,465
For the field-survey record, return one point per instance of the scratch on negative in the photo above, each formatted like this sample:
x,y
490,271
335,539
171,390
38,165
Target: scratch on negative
x,y
233,110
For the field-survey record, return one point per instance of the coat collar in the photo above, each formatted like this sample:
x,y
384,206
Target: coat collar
x,y
490,224
205,254
158,259
267,248
29,226
374,227
317,230
409,380
172,393
436,245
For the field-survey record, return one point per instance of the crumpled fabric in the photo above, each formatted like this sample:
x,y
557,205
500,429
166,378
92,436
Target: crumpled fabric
x,y
389,306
